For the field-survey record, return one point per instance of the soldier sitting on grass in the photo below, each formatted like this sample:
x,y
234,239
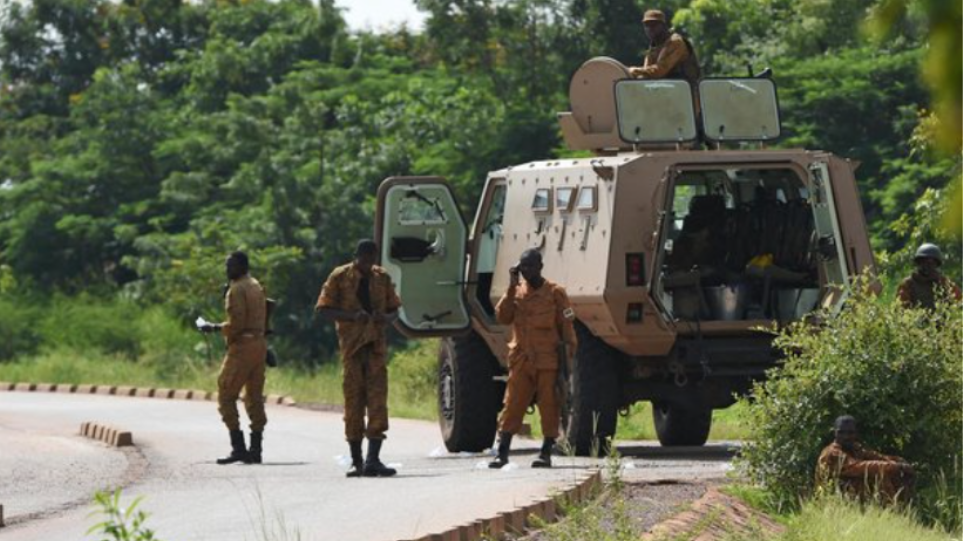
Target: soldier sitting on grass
x,y
861,472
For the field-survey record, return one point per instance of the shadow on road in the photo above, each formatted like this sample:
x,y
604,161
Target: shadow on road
x,y
707,453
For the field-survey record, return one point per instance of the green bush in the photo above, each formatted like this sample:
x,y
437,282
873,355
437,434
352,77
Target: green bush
x,y
19,335
413,380
896,370
86,323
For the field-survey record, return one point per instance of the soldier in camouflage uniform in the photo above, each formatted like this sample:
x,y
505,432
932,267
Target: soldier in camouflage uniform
x,y
244,361
670,55
542,319
861,472
362,301
920,290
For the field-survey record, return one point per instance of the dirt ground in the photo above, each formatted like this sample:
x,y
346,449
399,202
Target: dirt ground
x,y
646,504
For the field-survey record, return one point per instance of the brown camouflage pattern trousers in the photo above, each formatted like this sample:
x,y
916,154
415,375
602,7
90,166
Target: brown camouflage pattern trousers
x,y
243,368
365,386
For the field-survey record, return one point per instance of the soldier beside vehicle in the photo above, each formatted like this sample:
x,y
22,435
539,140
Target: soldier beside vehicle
x,y
541,318
860,472
361,299
922,288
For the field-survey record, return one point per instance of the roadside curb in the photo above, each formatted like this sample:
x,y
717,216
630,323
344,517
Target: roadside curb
x,y
128,391
716,516
507,524
113,437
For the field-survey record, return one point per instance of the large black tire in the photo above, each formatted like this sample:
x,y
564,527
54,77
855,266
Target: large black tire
x,y
469,399
590,413
679,425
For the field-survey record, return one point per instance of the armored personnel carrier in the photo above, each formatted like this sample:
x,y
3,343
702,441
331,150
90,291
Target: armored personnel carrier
x,y
679,237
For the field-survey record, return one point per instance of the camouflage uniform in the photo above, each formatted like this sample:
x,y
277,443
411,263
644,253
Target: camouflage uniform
x,y
864,473
917,291
243,366
363,346
541,319
673,59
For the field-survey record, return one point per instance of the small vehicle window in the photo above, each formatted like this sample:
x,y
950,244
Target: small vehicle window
x,y
587,199
564,198
543,200
417,209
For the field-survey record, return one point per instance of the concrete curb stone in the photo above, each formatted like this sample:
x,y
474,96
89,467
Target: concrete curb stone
x,y
518,520
67,388
106,434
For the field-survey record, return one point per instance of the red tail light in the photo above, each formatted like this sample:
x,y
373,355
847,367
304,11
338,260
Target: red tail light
x,y
634,270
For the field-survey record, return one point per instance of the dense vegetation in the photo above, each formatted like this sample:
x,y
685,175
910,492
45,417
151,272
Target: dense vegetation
x,y
896,370
142,140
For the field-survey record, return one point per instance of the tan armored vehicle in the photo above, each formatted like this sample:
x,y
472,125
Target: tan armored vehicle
x,y
678,237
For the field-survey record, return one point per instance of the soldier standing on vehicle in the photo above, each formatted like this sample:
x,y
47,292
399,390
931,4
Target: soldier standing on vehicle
x,y
361,299
541,319
919,290
244,361
670,54
862,472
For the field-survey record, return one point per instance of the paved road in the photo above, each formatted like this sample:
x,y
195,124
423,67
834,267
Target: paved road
x,y
48,474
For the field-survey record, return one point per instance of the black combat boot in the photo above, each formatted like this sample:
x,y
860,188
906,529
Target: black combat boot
x,y
254,451
504,445
372,465
357,461
238,451
544,459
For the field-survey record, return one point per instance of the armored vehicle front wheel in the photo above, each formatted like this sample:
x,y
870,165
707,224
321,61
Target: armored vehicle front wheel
x,y
590,410
678,425
469,399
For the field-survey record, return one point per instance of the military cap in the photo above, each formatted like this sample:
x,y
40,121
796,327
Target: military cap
x,y
653,15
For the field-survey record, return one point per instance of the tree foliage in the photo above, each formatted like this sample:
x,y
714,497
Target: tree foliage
x,y
140,141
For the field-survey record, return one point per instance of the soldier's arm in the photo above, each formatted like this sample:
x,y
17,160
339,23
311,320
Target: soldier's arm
x,y
329,303
236,306
505,309
565,319
903,295
859,469
392,302
672,53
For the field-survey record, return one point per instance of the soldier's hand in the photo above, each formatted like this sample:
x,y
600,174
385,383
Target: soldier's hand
x,y
635,72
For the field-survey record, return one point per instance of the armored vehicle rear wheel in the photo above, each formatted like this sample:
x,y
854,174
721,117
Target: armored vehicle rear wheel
x,y
590,412
468,398
681,425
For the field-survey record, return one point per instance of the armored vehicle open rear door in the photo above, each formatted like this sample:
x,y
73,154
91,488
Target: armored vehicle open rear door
x,y
422,237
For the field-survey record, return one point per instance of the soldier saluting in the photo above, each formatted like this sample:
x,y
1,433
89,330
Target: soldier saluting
x,y
541,317
361,299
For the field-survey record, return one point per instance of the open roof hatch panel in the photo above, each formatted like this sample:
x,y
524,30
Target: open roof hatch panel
x,y
740,109
658,111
